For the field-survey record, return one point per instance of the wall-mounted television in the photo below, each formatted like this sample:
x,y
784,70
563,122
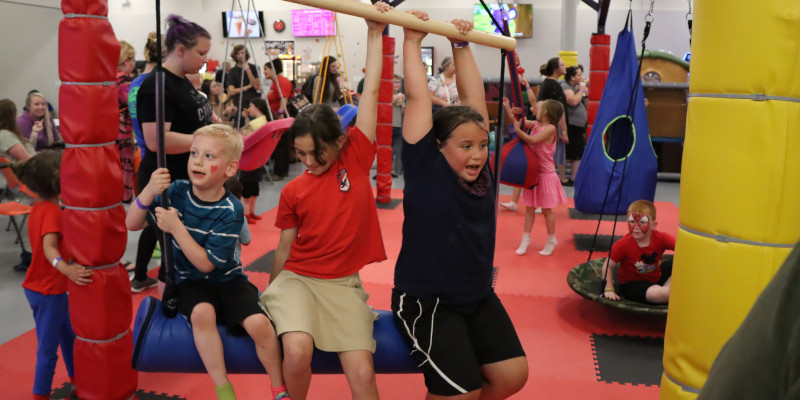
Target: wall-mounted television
x,y
311,22
520,19
239,24
429,59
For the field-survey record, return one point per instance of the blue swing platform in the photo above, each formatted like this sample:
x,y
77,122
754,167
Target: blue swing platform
x,y
163,344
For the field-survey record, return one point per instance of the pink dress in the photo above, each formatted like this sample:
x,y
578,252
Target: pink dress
x,y
548,193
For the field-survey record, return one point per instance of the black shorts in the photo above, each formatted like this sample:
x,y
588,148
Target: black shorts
x,y
233,301
465,337
250,189
251,181
577,142
637,290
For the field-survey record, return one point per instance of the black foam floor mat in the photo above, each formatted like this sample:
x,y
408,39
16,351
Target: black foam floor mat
x,y
391,205
576,214
583,242
263,263
634,360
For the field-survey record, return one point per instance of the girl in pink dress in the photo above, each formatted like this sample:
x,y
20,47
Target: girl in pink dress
x,y
548,193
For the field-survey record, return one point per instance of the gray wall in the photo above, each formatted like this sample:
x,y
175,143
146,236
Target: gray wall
x,y
29,50
30,60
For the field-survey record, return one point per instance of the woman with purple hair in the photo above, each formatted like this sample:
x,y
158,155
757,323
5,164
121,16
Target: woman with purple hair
x,y
185,110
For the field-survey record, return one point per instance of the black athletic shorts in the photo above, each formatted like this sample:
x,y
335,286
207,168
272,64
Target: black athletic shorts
x,y
450,343
233,301
637,290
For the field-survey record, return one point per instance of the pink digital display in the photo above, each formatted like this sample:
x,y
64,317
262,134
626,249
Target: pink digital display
x,y
311,23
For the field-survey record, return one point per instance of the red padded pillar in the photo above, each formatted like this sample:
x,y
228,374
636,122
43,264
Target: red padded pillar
x,y
91,189
598,74
384,130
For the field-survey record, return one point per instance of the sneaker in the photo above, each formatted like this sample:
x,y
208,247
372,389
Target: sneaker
x,y
510,206
255,217
538,210
138,286
280,393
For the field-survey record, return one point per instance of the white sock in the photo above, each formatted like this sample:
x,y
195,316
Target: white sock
x,y
549,246
523,246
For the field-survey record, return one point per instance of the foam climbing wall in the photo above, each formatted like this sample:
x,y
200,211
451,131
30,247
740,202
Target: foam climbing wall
x,y
739,208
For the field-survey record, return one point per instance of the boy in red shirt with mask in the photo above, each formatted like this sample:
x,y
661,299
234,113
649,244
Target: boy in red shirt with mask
x,y
642,276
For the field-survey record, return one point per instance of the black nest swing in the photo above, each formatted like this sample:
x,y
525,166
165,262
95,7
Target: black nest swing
x,y
587,280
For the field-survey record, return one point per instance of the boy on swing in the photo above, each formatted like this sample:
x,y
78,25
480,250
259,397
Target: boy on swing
x,y
205,220
642,276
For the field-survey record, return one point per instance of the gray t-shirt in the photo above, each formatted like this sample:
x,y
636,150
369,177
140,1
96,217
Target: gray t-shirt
x,y
576,115
8,140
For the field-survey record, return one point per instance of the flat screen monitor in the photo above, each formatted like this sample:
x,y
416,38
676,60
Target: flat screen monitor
x,y
520,19
240,24
428,59
311,22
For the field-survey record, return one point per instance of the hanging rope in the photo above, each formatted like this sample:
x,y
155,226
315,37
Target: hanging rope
x,y
348,96
498,143
170,296
323,72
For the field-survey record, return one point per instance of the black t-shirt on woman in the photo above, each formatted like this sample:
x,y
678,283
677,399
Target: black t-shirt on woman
x,y
550,89
184,107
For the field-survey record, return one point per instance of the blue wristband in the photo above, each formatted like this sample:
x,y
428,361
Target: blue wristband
x,y
459,45
140,205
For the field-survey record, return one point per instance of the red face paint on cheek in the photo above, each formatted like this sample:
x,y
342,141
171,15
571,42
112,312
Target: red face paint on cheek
x,y
213,168
631,222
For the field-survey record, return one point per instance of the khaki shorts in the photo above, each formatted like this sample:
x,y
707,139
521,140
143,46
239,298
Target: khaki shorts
x,y
333,311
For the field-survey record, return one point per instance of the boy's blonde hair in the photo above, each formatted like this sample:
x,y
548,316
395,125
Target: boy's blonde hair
x,y
643,207
231,139
126,51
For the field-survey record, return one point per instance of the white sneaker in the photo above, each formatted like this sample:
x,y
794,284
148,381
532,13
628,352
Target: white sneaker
x,y
510,206
538,210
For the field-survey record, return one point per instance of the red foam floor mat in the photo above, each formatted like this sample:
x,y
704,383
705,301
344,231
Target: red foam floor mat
x,y
553,323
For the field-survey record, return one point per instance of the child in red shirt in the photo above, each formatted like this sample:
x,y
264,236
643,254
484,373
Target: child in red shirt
x,y
329,231
45,283
642,276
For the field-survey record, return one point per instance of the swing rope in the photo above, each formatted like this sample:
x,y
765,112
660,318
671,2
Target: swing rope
x,y
335,44
348,96
323,72
170,296
498,142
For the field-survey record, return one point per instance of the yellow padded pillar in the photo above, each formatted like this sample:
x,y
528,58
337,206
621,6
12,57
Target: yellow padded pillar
x,y
740,181
570,57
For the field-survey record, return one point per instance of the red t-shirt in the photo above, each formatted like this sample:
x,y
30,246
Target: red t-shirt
x,y
41,277
335,212
641,263
274,98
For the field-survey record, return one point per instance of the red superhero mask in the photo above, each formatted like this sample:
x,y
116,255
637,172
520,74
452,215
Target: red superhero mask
x,y
641,220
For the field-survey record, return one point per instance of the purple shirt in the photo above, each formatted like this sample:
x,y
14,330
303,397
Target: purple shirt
x,y
26,121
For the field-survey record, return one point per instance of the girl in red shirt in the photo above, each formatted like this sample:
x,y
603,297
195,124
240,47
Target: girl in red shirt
x,y
329,231
45,283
